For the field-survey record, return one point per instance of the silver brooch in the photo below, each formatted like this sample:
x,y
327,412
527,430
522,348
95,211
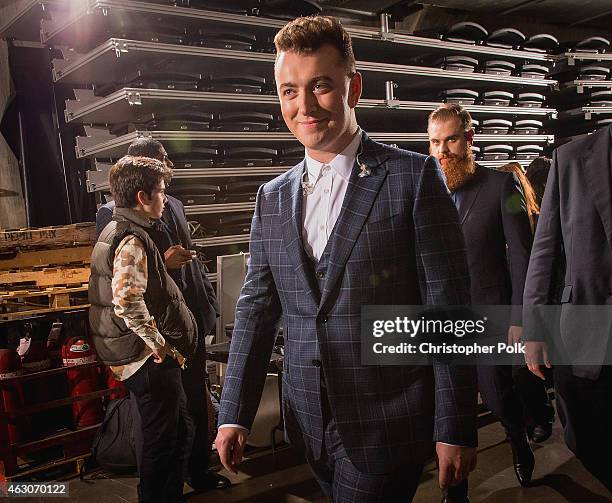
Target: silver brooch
x,y
307,187
364,170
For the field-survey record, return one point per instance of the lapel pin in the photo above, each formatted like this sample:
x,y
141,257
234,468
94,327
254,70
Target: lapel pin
x,y
364,170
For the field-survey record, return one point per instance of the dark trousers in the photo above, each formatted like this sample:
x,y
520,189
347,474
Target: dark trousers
x,y
585,410
496,386
532,392
456,494
167,430
343,483
194,384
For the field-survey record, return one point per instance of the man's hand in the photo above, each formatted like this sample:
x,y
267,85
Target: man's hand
x,y
176,257
515,334
536,352
454,463
230,444
160,354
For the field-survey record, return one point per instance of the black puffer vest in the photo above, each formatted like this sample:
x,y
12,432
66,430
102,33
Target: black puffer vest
x,y
114,342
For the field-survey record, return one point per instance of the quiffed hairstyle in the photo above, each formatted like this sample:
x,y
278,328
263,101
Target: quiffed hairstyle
x,y
308,34
450,111
146,147
129,175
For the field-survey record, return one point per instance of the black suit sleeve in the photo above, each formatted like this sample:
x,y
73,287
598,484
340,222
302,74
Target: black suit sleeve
x,y
103,218
517,232
547,248
211,295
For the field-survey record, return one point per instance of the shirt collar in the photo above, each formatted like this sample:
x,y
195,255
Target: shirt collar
x,y
134,216
342,164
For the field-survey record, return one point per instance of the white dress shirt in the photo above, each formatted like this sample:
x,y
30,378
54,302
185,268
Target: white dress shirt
x,y
322,204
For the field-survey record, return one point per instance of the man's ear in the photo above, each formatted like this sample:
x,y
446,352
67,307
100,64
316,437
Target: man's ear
x,y
142,198
355,87
469,136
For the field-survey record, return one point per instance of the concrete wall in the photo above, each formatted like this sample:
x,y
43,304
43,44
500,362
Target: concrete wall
x,y
12,203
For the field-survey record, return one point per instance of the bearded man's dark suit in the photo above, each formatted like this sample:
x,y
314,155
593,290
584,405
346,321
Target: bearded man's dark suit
x,y
576,220
498,239
397,241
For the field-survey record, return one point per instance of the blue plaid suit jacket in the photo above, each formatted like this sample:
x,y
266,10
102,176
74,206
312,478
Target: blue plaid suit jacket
x,y
397,241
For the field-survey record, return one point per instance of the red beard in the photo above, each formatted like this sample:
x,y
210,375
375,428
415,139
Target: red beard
x,y
459,170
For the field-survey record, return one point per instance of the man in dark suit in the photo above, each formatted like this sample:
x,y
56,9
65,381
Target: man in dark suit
x,y
355,223
498,240
576,223
172,237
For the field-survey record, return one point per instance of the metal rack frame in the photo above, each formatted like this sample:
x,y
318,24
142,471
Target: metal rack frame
x,y
111,146
125,56
59,32
127,104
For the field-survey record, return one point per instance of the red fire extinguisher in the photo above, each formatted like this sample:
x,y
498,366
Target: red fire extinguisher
x,y
78,351
11,394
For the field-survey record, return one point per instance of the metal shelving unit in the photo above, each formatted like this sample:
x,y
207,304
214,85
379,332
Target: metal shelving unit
x,y
206,209
116,146
222,240
579,115
571,57
132,104
117,58
581,85
586,112
94,16
25,24
95,53
97,179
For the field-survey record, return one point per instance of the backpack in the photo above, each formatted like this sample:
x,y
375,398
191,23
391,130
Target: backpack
x,y
114,446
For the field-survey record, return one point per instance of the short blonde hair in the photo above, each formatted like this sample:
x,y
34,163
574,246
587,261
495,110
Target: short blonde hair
x,y
450,111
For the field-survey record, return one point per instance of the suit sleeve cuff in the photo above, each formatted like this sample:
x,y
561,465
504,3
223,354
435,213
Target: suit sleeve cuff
x,y
453,445
232,425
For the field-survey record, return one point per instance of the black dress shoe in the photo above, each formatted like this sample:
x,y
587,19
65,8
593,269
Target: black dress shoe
x,y
541,433
523,460
449,499
209,481
456,494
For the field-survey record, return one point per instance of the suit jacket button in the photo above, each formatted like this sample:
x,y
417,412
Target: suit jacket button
x,y
320,274
324,319
316,363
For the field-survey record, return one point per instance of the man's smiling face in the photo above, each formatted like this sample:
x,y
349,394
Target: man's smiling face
x,y
317,96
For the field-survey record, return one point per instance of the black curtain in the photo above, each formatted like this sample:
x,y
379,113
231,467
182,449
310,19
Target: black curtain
x,y
34,127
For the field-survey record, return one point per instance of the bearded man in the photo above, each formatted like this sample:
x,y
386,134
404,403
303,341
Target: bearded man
x,y
498,239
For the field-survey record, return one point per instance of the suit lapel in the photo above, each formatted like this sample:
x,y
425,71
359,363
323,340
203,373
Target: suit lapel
x,y
291,229
184,235
596,167
470,192
360,196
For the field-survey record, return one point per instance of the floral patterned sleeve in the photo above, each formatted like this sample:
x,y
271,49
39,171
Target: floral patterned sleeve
x,y
129,285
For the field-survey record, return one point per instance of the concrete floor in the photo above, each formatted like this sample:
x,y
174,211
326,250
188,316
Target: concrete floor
x,y
559,478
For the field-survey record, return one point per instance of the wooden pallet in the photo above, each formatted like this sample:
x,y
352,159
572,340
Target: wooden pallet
x,y
48,237
20,304
29,259
45,277
71,448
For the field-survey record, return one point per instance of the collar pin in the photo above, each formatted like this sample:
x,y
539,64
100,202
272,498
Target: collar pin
x,y
364,170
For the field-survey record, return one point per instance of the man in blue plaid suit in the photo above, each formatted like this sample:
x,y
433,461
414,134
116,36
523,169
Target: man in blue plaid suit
x,y
355,223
